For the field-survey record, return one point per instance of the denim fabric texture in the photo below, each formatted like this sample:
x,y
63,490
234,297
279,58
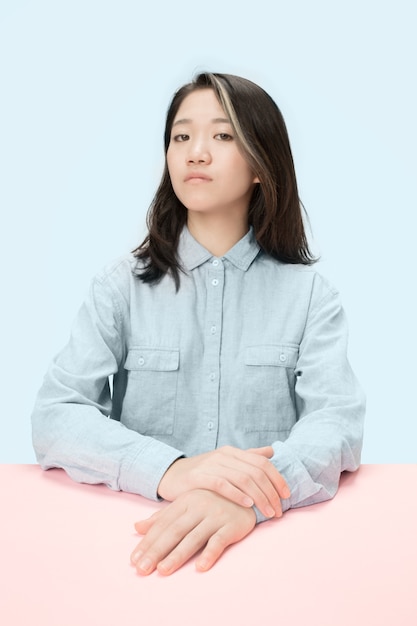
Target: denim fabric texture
x,y
249,352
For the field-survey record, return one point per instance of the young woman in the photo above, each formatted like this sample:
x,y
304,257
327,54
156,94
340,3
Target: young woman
x,y
232,394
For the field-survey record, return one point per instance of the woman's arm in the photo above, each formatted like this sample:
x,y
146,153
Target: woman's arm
x,y
327,438
71,423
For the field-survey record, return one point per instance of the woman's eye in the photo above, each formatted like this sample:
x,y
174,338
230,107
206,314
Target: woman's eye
x,y
181,137
224,137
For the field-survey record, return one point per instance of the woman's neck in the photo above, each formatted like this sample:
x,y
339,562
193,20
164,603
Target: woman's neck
x,y
218,234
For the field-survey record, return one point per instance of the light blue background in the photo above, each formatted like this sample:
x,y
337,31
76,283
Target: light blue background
x,y
84,87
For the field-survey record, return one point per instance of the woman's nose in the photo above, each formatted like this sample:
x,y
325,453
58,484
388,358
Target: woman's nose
x,y
198,153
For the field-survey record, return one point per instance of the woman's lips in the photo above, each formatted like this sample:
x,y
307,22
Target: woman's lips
x,y
197,177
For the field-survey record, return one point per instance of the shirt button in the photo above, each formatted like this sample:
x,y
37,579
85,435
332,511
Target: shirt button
x,y
212,376
213,330
214,282
210,425
282,358
141,360
215,262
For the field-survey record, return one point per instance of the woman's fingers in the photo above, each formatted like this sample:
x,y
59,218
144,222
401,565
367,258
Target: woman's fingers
x,y
245,477
248,478
143,526
267,451
192,542
246,489
197,519
262,462
162,537
217,544
224,486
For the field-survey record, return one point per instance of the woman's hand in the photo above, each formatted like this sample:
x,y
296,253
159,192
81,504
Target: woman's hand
x,y
197,519
245,477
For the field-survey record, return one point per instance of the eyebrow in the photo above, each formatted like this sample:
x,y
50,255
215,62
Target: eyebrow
x,y
216,120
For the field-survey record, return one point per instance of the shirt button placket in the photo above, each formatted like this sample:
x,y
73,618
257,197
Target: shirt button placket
x,y
212,346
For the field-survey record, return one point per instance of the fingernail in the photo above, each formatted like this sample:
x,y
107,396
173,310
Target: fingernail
x,y
136,556
166,566
247,501
269,511
286,492
145,565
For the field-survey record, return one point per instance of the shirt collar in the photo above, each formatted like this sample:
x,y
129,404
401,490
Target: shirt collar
x,y
192,253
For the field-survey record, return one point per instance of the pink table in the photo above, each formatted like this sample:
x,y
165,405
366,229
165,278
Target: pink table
x,y
65,549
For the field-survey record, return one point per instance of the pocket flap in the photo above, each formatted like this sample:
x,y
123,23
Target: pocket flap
x,y
154,359
278,356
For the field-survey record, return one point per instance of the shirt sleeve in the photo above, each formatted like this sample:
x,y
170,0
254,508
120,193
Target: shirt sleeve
x,y
71,424
327,437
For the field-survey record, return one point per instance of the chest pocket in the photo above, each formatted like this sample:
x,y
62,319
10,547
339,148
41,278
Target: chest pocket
x,y
270,388
151,392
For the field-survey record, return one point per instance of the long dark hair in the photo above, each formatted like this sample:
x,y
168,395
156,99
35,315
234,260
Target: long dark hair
x,y
275,209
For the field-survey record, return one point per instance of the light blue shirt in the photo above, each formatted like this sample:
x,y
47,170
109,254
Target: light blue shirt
x,y
249,352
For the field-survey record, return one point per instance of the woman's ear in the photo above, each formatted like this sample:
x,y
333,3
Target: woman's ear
x,y
256,180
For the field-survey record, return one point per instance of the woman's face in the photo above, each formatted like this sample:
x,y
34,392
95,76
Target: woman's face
x,y
207,170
